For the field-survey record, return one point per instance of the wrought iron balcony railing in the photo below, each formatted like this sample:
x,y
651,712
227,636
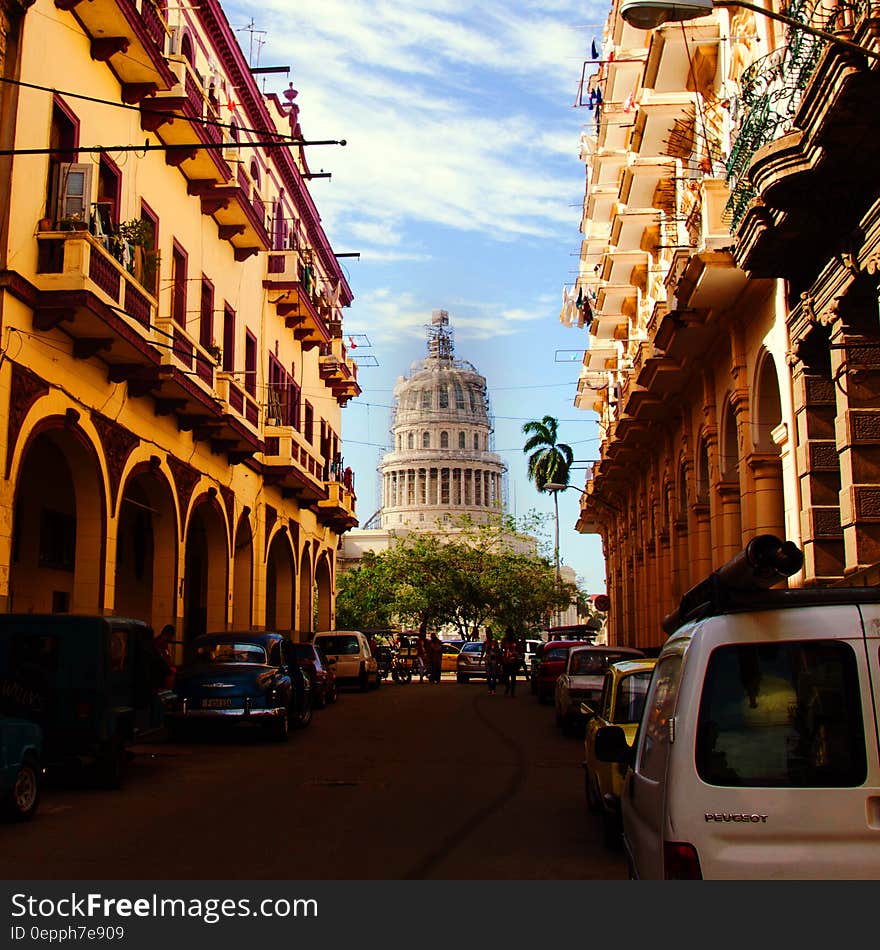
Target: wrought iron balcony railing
x,y
772,88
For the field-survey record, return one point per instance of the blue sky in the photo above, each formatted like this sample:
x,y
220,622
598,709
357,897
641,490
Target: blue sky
x,y
461,188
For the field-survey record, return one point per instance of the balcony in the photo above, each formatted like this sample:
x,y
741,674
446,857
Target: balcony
x,y
237,402
626,267
666,125
238,211
290,463
337,509
678,53
181,116
85,292
808,129
130,35
292,282
636,229
650,183
338,371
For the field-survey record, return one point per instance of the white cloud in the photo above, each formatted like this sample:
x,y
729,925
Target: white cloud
x,y
440,102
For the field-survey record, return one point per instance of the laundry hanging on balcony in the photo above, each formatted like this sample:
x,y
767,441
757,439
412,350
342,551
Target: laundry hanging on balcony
x,y
567,314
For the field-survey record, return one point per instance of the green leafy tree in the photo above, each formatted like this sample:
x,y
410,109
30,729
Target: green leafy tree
x,y
476,576
365,595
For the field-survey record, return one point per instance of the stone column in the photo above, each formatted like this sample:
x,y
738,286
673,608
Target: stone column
x,y
855,364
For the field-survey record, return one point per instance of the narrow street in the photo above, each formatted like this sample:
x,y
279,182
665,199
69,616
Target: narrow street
x,y
413,782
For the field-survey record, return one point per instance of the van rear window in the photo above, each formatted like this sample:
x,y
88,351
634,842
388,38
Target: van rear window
x,y
782,715
340,645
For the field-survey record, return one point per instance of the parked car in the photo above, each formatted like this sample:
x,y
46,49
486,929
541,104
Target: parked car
x,y
321,672
93,684
469,662
550,667
529,654
354,658
757,754
242,678
21,772
581,680
450,658
620,704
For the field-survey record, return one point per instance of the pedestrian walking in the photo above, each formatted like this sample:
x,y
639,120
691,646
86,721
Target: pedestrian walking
x,y
510,662
435,659
421,656
490,655
165,670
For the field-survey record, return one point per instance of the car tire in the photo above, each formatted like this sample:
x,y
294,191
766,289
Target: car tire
x,y
462,678
378,682
320,697
280,727
333,695
304,716
363,681
594,804
24,796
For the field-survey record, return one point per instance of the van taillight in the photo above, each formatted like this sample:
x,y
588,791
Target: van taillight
x,y
680,862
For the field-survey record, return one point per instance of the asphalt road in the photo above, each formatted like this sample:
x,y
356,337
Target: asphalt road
x,y
412,782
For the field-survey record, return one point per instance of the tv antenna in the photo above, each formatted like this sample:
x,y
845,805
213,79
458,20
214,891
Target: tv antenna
x,y
258,41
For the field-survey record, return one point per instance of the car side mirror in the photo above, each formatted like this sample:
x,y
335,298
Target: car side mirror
x,y
331,661
611,746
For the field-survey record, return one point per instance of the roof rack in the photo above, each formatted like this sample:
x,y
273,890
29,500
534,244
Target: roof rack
x,y
745,582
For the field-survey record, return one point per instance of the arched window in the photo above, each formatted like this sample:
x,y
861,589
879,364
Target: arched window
x,y
473,399
459,397
410,441
426,399
186,50
426,440
461,440
444,440
443,393
255,173
476,440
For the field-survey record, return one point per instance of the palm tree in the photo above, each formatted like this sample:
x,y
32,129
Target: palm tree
x,y
549,463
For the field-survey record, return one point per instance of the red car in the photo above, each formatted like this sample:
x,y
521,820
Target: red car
x,y
549,667
320,671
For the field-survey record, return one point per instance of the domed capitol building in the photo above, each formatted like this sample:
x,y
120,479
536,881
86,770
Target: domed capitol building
x,y
442,465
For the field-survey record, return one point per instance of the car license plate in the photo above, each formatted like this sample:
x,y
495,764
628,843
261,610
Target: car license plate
x,y
221,702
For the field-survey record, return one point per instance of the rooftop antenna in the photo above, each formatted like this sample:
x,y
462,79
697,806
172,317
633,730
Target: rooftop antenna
x,y
259,42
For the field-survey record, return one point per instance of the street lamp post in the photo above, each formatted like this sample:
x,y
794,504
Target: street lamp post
x,y
557,487
648,14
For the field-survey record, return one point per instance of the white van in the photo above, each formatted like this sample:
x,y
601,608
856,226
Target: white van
x,y
354,660
757,753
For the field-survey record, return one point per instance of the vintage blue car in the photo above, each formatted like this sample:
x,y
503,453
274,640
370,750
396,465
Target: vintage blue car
x,y
242,678
21,749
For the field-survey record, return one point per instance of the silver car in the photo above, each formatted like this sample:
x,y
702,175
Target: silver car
x,y
469,663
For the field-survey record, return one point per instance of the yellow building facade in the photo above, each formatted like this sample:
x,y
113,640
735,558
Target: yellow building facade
x,y
173,368
729,287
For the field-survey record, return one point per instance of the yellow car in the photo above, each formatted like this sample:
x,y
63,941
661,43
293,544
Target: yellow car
x,y
623,698
450,657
